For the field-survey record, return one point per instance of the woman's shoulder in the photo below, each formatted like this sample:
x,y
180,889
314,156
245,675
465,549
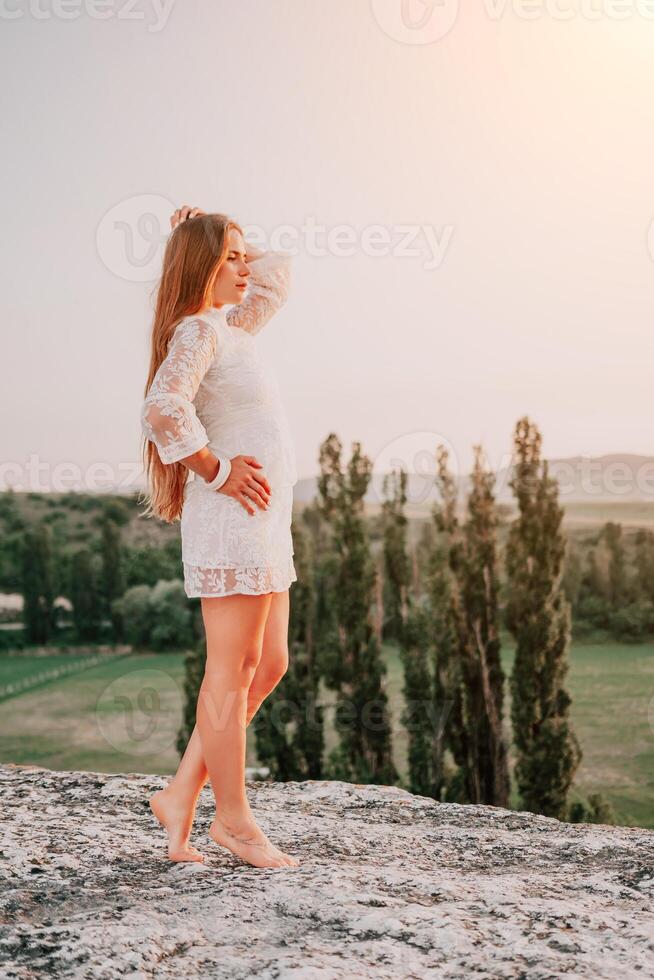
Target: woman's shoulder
x,y
194,341
231,344
205,326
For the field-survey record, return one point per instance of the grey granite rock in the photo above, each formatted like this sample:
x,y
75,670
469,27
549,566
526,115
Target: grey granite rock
x,y
390,885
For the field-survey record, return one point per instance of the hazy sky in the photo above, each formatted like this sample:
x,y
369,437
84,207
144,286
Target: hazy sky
x,y
513,154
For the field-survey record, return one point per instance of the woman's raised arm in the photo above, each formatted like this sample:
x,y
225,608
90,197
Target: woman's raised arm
x,y
268,288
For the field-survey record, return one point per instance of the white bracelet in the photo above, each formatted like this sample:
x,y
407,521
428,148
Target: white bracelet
x,y
222,474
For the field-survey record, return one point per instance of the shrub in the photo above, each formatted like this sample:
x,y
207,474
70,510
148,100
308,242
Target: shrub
x,y
632,623
170,615
595,809
136,615
158,617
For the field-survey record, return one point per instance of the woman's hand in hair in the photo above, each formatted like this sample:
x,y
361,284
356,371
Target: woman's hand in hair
x,y
181,214
252,252
246,485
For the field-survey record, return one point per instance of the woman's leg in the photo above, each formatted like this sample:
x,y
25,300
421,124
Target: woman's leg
x,y
274,654
235,628
174,805
192,772
177,801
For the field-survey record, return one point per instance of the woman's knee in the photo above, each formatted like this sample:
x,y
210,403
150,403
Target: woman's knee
x,y
246,664
274,664
250,658
235,667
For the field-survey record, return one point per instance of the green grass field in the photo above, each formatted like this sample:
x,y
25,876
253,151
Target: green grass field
x,y
612,690
123,716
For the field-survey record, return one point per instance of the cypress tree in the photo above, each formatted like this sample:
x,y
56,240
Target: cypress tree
x,y
417,714
618,585
476,733
397,568
644,564
289,725
412,626
573,574
113,581
447,686
355,668
538,615
37,575
423,553
406,623
593,581
87,612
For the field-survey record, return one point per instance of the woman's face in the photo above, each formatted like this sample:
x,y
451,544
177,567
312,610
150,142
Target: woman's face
x,y
231,280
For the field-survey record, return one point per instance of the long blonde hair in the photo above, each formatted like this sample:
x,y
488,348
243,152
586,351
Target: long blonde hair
x,y
192,259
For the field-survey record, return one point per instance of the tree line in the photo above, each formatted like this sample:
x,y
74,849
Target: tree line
x,y
441,607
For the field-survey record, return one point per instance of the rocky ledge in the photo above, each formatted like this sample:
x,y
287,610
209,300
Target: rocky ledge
x,y
390,885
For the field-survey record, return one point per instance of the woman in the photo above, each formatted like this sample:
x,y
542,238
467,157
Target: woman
x,y
213,408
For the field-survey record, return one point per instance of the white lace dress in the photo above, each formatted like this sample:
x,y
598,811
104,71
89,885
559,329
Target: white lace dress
x,y
214,389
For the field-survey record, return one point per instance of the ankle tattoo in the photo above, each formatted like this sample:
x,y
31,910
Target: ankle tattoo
x,y
242,840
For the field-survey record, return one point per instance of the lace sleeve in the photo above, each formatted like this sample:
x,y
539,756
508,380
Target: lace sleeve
x,y
168,416
268,288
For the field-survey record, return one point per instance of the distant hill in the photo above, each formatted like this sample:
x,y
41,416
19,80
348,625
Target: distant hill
x,y
616,487
614,478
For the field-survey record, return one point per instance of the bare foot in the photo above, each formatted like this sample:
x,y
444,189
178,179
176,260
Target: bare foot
x,y
251,845
257,833
178,824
